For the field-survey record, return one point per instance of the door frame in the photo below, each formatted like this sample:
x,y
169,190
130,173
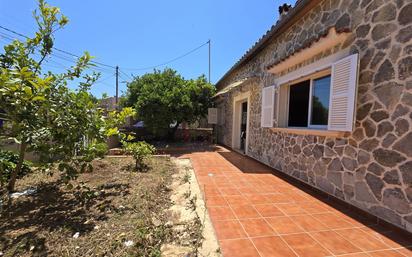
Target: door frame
x,y
236,126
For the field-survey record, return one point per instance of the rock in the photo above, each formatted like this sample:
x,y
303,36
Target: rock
x,y
369,144
377,59
400,110
388,158
384,128
363,30
339,194
358,134
407,99
335,178
375,184
296,149
404,145
348,191
384,44
343,23
405,68
307,151
363,194
365,77
360,174
406,171
383,30
374,5
335,165
402,126
349,164
375,168
404,35
370,128
385,72
405,16
350,151
319,168
389,94
363,157
329,152
379,115
388,140
363,111
386,214
318,151
395,199
395,52
408,192
325,185
386,13
392,177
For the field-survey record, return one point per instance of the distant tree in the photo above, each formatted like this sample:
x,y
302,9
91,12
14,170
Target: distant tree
x,y
164,99
39,111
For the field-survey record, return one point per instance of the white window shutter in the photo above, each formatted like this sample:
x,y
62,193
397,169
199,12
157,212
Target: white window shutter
x,y
343,94
268,98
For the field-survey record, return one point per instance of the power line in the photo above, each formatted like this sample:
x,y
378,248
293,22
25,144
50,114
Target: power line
x,y
124,73
170,61
57,49
9,38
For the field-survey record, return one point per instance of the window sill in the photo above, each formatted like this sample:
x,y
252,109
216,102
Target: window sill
x,y
311,132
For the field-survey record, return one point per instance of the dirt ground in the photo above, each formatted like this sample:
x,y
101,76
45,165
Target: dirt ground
x,y
112,211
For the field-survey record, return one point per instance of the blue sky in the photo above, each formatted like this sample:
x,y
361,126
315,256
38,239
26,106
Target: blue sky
x,y
138,34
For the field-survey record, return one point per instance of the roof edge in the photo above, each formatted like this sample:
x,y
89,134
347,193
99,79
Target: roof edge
x,y
301,6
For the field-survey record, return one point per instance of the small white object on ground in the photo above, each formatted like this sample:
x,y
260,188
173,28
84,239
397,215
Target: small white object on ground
x,y
96,227
210,174
76,235
29,191
32,248
129,243
1,253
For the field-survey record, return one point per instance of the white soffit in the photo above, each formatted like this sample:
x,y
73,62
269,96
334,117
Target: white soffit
x,y
330,40
232,86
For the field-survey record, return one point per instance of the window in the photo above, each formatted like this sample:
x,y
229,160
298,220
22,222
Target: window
x,y
319,96
320,101
298,104
309,101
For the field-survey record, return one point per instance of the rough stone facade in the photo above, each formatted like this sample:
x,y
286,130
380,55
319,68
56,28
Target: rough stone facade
x,y
371,167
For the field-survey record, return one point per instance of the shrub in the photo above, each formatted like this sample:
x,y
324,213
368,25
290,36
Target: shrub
x,y
8,162
140,151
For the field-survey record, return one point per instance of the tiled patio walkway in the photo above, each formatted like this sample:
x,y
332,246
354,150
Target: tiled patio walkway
x,y
256,213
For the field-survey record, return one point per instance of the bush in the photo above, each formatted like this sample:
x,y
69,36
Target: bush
x,y
8,162
140,151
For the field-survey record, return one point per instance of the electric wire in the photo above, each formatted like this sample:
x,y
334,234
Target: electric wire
x,y
168,62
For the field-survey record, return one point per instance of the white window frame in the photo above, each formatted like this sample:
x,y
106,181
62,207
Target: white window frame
x,y
311,78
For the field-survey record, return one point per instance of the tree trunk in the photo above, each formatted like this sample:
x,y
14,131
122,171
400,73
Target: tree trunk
x,y
17,170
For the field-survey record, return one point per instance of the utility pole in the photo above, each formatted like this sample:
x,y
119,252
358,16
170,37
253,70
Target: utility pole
x,y
209,58
117,85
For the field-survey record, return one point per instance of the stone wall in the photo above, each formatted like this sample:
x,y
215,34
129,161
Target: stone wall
x,y
370,168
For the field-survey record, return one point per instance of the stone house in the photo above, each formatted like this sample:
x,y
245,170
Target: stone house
x,y
325,96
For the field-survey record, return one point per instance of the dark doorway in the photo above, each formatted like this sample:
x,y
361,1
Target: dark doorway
x,y
298,104
243,126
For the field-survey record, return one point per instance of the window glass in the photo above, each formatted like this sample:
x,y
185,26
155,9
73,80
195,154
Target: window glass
x,y
320,101
298,104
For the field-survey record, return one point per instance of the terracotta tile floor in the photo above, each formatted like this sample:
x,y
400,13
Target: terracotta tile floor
x,y
257,213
